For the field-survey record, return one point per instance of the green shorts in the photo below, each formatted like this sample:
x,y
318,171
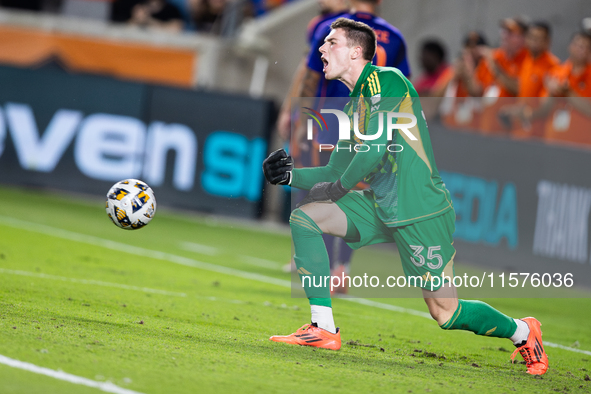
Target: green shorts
x,y
426,247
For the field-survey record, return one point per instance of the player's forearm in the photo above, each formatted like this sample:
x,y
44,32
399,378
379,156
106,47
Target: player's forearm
x,y
309,86
474,88
295,87
305,178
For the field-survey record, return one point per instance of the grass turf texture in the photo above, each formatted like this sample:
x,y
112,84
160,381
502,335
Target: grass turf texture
x,y
214,338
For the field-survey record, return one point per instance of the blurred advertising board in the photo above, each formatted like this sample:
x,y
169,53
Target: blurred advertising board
x,y
80,133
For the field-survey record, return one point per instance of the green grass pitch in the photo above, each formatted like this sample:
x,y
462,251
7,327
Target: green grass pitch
x,y
186,305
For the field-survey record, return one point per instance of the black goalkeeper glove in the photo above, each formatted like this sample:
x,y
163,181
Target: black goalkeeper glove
x,y
277,167
324,192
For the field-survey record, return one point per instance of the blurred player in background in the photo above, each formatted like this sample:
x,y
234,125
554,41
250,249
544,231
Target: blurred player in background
x,y
407,203
329,9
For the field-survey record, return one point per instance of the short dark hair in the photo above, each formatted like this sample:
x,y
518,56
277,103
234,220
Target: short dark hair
x,y
435,47
475,38
542,25
358,33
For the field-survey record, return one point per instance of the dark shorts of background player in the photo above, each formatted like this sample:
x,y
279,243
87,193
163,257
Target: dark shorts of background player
x,y
425,247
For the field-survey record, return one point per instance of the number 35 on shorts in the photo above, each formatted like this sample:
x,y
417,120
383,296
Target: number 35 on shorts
x,y
434,260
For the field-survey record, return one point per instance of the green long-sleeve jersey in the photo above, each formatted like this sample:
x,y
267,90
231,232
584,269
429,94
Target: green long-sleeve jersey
x,y
401,172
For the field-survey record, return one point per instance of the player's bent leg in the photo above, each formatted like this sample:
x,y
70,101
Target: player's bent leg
x,y
414,242
483,319
353,218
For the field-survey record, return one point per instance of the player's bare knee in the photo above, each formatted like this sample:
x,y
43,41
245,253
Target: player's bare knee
x,y
328,217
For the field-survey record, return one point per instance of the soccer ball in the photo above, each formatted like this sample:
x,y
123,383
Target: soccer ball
x,y
131,204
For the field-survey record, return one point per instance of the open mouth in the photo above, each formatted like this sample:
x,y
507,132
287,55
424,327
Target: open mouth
x,y
325,63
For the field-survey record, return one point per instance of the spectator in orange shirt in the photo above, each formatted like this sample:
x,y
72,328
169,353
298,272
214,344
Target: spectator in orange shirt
x,y
538,62
497,76
536,67
568,107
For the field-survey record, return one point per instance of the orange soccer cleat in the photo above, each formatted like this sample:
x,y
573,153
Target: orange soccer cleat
x,y
311,335
533,351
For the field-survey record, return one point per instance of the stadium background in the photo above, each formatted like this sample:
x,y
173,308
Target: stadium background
x,y
85,102
196,115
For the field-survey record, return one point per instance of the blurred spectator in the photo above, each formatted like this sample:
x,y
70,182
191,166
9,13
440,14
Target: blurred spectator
x,y
454,80
158,14
536,67
121,9
207,15
567,109
434,64
538,62
32,5
458,110
183,7
497,75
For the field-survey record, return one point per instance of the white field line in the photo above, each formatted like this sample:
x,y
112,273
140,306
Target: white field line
x,y
258,262
103,386
116,285
200,249
121,247
213,251
91,282
88,239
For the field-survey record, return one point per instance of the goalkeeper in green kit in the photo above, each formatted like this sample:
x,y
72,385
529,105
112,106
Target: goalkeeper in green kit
x,y
407,202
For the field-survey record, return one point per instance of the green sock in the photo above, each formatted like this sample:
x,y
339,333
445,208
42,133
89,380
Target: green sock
x,y
481,319
311,258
